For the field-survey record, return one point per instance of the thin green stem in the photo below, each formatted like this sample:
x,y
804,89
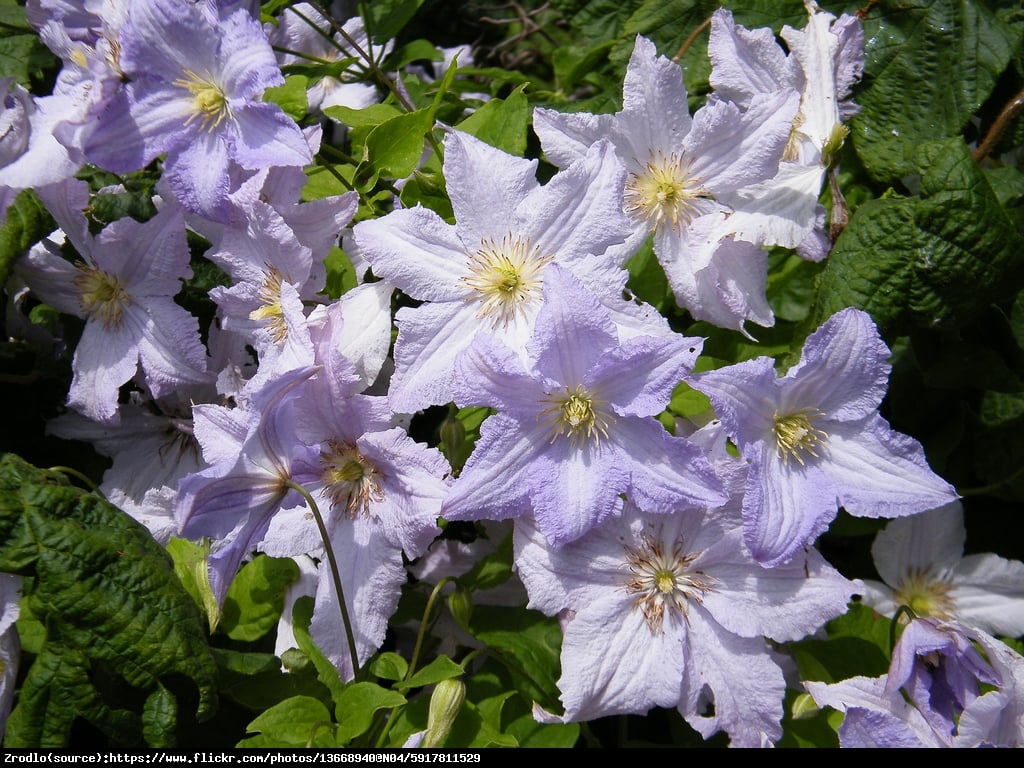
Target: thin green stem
x,y
84,478
423,626
335,574
900,612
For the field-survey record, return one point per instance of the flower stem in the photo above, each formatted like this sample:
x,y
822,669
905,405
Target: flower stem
x,y
335,575
86,480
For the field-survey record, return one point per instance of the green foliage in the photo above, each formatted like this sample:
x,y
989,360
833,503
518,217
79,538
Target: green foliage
x,y
115,615
255,598
27,222
932,260
929,66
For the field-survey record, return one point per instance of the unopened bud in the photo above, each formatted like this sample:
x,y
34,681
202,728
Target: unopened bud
x,y
445,703
461,606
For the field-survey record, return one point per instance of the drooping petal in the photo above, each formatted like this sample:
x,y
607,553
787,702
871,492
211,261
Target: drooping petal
x,y
933,540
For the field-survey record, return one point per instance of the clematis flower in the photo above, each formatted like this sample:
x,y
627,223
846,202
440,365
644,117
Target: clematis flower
x,y
922,564
124,287
947,686
684,177
669,611
194,92
825,60
576,429
252,454
309,38
484,272
815,440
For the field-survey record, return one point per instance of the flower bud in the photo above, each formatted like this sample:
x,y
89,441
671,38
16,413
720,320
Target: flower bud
x,y
445,703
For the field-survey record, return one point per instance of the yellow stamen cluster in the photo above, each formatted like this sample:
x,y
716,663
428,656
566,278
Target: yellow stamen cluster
x,y
209,102
664,192
925,594
506,277
663,581
577,415
350,481
101,295
270,311
796,438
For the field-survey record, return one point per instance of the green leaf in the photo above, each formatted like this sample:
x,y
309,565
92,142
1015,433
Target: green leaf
x,y
327,673
367,117
160,718
356,705
22,54
388,17
502,123
527,643
290,97
441,668
389,666
929,65
931,262
478,724
298,722
491,570
395,147
103,587
257,682
191,565
857,644
256,597
27,223
57,689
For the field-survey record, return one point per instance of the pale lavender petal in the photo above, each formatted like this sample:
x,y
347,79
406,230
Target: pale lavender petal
x,y
121,142
785,507
572,329
415,250
739,393
198,175
372,576
988,591
485,185
51,277
665,361
149,258
104,360
429,339
613,664
745,61
579,211
266,136
733,148
731,684
575,488
493,484
932,540
653,89
787,602
567,136
843,371
413,483
170,350
488,373
779,211
220,431
666,473
881,473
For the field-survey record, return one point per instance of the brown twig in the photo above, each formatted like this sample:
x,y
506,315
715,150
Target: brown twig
x,y
1002,122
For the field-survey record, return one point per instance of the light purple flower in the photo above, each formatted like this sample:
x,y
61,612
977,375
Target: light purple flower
x,y
947,686
922,564
684,176
124,287
815,440
576,429
670,611
485,271
253,455
194,92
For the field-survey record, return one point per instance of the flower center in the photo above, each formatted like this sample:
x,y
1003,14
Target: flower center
x,y
663,580
350,480
795,437
578,415
506,276
101,295
664,192
209,102
925,594
270,312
